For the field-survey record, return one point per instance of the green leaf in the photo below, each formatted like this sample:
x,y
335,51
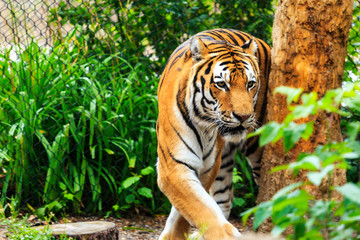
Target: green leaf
x,y
115,207
69,196
309,98
309,128
132,162
130,198
310,162
272,132
62,186
277,230
238,202
298,199
353,129
284,191
40,212
92,151
245,215
262,213
146,171
317,177
146,192
280,168
350,191
109,151
236,179
130,181
302,111
292,94
292,134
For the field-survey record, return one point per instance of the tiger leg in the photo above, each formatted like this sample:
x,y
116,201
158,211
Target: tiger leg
x,y
176,226
189,197
222,188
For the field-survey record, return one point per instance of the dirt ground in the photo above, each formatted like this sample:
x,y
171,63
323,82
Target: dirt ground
x,y
137,227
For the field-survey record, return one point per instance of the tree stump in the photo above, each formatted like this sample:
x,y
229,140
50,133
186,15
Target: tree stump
x,y
95,230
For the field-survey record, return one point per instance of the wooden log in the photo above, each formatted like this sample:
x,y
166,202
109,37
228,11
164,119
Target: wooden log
x,y
95,230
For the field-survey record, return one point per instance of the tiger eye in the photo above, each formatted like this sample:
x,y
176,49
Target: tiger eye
x,y
221,84
250,84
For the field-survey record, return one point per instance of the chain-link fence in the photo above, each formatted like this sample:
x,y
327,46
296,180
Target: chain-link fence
x,y
78,95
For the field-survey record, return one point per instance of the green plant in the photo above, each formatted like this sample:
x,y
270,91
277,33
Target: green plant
x,y
245,189
292,207
148,31
19,229
74,128
352,62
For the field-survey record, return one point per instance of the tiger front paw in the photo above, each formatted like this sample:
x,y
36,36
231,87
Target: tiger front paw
x,y
224,232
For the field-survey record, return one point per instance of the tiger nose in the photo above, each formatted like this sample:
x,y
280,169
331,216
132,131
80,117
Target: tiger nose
x,y
241,117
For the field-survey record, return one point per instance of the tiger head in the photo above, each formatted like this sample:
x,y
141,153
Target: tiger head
x,y
226,85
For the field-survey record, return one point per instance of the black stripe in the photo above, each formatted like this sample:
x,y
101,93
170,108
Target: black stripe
x,y
169,64
203,81
162,77
266,57
208,170
216,33
230,170
208,154
185,164
224,63
188,147
239,34
207,71
231,150
195,106
177,58
252,148
247,35
223,201
223,190
163,153
219,178
217,155
203,35
185,115
197,90
258,53
232,38
227,164
184,44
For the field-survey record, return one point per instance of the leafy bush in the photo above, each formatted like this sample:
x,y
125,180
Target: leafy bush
x,y
19,229
76,130
292,207
148,31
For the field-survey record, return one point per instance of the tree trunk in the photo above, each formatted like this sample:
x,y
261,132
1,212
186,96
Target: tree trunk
x,y
309,49
84,230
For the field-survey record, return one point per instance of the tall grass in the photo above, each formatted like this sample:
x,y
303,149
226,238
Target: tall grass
x,y
77,132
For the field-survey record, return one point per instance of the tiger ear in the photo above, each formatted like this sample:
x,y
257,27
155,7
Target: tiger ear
x,y
250,46
197,48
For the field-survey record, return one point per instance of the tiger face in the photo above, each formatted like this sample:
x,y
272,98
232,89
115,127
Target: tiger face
x,y
227,85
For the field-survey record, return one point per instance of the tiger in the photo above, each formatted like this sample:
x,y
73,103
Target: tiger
x,y
211,94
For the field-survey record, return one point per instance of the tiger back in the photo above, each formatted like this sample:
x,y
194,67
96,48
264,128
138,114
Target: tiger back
x,y
211,93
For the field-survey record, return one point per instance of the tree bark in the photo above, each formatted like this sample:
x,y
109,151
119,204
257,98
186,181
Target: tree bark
x,y
84,230
309,49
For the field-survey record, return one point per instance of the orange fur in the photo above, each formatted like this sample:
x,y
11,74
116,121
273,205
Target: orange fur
x,y
202,104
